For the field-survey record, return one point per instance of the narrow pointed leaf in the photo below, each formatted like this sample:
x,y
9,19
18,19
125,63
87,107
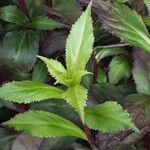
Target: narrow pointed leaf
x,y
125,23
55,68
76,97
80,42
44,124
108,117
28,91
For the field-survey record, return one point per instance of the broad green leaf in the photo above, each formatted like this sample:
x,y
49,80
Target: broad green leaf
x,y
76,96
108,117
55,68
125,23
119,67
28,91
106,52
44,124
13,14
40,72
44,23
141,71
19,50
80,42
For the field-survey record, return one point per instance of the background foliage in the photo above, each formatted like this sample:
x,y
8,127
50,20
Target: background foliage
x,y
119,62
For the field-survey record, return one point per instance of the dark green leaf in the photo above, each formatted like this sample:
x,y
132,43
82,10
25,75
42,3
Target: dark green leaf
x,y
7,137
57,107
40,72
13,14
71,9
44,23
57,143
19,50
125,23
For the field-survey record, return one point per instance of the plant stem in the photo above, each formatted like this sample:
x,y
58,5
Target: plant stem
x,y
86,128
23,7
90,137
49,3
95,66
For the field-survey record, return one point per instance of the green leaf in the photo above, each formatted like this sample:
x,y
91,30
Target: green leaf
x,y
70,9
19,50
7,138
147,1
57,107
105,91
76,96
44,23
119,20
108,117
57,71
141,72
101,77
44,124
55,68
80,42
121,1
119,67
106,52
28,91
13,14
57,143
40,72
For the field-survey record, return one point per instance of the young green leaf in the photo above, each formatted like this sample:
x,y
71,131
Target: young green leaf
x,y
108,117
125,23
28,91
55,68
13,14
44,124
76,97
80,42
119,67
44,23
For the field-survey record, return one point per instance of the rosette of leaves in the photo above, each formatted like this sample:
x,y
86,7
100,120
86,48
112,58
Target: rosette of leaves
x,y
107,117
